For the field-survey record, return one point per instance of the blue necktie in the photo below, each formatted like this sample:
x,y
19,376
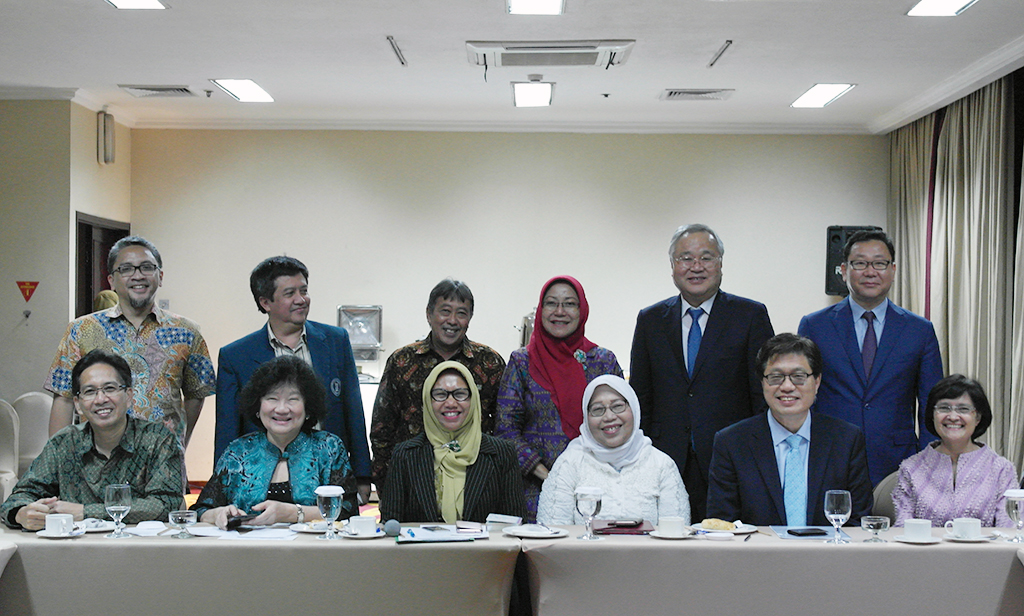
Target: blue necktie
x,y
693,339
795,484
870,345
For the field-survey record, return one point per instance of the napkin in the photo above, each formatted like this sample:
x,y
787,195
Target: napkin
x,y
151,528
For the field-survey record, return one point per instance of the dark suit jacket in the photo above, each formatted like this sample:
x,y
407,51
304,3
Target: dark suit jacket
x,y
493,483
907,366
333,363
745,485
677,410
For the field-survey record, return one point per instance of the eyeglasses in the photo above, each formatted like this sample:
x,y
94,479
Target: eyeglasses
x,y
687,262
598,411
959,410
440,395
128,269
863,265
568,305
797,378
109,391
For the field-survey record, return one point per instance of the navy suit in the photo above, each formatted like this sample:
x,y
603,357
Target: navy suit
x,y
745,484
907,365
681,415
333,363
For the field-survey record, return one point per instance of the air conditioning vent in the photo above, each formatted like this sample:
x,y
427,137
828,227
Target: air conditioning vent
x,y
695,95
549,53
157,91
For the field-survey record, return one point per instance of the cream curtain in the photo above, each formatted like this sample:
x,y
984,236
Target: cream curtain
x,y
910,161
1015,420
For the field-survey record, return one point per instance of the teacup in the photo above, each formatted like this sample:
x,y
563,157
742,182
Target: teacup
x,y
362,525
59,523
964,528
917,530
671,526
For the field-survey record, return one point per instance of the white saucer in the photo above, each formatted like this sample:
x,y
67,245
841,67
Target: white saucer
x,y
657,535
928,541
742,529
317,528
534,531
979,539
347,535
71,535
104,527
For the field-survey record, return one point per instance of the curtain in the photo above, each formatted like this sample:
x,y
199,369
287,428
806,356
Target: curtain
x,y
910,173
1015,421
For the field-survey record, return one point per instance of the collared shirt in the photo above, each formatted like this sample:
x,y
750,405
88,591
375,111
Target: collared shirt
x,y
860,325
167,355
398,410
301,350
148,458
779,435
688,321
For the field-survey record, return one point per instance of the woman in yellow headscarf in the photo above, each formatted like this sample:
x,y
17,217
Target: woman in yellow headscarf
x,y
452,471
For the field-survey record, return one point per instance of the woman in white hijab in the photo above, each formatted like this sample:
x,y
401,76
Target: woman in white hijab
x,y
613,454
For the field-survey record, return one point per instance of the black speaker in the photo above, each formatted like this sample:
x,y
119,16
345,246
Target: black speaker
x,y
835,242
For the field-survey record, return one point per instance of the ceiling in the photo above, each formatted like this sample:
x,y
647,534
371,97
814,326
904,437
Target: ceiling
x,y
328,63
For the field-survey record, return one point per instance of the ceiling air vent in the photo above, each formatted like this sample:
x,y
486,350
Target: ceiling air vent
x,y
157,91
695,95
548,53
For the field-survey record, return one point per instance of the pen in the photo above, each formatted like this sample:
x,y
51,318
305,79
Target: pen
x,y
748,537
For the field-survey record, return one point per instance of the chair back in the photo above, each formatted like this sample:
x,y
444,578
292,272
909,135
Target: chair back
x,y
883,497
9,427
34,411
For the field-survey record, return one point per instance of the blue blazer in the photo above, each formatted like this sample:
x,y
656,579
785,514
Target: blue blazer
x,y
333,362
745,485
677,410
882,404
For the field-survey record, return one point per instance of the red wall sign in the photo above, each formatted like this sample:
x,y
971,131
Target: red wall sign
x,y
27,288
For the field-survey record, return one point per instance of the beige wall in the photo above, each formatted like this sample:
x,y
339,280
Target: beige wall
x,y
380,217
99,190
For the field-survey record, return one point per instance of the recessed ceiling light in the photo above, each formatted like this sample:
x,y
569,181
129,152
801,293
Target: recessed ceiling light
x,y
822,94
940,8
244,90
535,7
533,93
136,4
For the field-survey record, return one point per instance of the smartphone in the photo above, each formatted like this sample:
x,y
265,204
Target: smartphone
x,y
807,532
235,521
626,523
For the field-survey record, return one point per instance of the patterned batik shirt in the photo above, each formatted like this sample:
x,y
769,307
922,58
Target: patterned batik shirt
x,y
167,355
398,410
148,458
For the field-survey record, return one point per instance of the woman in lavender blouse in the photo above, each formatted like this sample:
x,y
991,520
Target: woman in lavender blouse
x,y
956,476
540,399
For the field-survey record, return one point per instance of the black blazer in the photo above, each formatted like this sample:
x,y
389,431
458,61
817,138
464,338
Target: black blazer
x,y
493,483
677,411
745,484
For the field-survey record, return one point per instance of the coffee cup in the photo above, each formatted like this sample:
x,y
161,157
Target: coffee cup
x,y
671,526
362,525
964,528
917,530
59,523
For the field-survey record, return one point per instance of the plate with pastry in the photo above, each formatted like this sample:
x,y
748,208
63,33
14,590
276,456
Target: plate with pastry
x,y
722,526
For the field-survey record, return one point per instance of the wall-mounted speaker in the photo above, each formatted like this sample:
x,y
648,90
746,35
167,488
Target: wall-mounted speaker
x,y
104,138
835,242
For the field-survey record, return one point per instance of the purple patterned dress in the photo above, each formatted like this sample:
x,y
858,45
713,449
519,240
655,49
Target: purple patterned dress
x,y
527,416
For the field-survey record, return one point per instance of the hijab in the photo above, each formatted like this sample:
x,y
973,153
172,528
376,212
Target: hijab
x,y
456,451
557,363
626,453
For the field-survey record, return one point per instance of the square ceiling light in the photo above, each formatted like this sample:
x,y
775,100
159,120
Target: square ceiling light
x,y
136,4
940,8
535,7
244,90
822,94
532,93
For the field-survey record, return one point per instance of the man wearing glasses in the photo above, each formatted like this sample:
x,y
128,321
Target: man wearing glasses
x,y
74,468
774,468
693,359
880,360
170,363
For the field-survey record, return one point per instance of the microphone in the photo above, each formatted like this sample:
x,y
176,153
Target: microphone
x,y
392,528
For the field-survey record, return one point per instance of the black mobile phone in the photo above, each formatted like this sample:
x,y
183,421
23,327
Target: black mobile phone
x,y
235,521
626,523
807,532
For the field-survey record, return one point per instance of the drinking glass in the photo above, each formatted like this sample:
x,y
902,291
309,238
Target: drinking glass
x,y
588,504
330,509
875,524
117,498
182,519
838,507
1015,509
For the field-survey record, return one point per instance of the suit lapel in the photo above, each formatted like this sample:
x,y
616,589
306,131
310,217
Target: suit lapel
x,y
763,452
476,479
895,321
717,321
842,320
263,352
817,464
674,316
423,467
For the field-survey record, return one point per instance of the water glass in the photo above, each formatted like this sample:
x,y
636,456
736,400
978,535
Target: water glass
x,y
838,506
117,498
875,524
588,504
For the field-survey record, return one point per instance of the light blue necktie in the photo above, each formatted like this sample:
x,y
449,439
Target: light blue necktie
x,y
795,484
693,339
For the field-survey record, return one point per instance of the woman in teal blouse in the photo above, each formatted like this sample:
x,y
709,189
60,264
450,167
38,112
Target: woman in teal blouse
x,y
272,473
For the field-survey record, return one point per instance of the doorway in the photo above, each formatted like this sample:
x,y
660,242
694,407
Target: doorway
x,y
94,239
